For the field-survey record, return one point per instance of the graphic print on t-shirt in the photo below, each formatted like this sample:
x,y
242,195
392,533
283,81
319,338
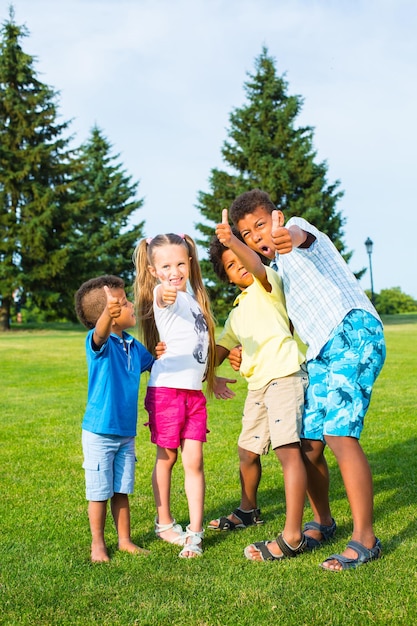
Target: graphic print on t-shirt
x,y
200,351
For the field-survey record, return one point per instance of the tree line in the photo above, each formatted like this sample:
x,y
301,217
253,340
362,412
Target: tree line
x,y
67,214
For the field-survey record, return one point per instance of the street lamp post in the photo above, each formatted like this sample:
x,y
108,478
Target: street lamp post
x,y
369,244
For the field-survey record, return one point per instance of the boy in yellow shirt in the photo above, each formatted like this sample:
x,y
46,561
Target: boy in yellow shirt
x,y
272,367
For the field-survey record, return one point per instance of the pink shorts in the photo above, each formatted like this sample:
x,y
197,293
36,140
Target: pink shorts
x,y
174,415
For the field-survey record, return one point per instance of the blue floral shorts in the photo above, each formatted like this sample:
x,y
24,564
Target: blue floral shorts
x,y
342,377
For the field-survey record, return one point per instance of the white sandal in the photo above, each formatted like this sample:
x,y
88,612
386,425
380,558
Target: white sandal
x,y
194,543
179,540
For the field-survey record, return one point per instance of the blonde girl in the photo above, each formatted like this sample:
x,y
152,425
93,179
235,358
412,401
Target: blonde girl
x,y
176,405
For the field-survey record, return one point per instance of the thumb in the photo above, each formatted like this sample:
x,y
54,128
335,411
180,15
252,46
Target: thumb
x,y
275,220
225,219
107,292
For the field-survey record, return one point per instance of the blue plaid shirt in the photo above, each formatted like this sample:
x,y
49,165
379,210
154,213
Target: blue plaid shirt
x,y
319,288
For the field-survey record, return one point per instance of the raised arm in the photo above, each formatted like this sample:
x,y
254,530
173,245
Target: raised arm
x,y
104,323
248,257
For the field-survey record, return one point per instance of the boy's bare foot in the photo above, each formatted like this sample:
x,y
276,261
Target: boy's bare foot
x,y
126,545
99,554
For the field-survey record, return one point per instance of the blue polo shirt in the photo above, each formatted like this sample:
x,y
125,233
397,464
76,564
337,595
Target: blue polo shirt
x,y
113,384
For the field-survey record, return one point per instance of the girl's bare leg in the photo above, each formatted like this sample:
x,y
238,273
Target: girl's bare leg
x,y
192,459
161,484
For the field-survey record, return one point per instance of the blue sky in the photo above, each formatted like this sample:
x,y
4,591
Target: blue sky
x,y
160,78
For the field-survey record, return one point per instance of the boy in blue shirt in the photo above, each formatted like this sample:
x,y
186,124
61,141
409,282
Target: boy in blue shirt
x,y
115,362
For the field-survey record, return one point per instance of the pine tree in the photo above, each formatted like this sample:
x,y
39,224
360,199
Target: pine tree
x,y
266,150
102,243
63,213
36,167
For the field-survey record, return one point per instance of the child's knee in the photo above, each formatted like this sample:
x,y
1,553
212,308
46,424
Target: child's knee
x,y
247,457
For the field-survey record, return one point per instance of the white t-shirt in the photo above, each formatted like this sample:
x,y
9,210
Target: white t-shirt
x,y
183,328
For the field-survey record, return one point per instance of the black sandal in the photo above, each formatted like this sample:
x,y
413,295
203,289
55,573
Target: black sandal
x,y
287,550
247,518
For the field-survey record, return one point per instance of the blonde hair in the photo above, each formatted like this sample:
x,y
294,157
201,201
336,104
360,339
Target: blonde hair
x,y
145,284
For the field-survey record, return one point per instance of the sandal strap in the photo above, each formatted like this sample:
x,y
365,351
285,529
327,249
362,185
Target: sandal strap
x,y
262,547
194,545
161,528
288,550
326,531
196,536
226,524
248,518
366,554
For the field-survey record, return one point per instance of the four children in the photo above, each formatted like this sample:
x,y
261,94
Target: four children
x,y
346,351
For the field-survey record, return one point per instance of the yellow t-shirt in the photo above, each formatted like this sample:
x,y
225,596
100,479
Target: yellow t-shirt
x,y
259,323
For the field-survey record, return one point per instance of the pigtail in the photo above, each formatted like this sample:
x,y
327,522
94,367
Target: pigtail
x,y
143,292
200,293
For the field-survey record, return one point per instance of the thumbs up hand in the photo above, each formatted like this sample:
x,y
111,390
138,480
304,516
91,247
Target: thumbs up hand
x,y
168,293
224,231
113,304
281,236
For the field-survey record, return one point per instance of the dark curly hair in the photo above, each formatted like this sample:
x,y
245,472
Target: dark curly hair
x,y
216,250
90,299
248,202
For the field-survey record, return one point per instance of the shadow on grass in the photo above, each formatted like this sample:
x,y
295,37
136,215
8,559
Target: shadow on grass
x,y
394,470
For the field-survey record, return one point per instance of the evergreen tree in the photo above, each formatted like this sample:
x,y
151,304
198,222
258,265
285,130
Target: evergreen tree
x,y
266,150
102,243
36,167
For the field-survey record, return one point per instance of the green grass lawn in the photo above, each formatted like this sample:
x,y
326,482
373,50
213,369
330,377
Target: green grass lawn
x,y
45,573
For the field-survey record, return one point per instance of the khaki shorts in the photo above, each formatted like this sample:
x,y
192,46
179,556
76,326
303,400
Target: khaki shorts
x,y
272,415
